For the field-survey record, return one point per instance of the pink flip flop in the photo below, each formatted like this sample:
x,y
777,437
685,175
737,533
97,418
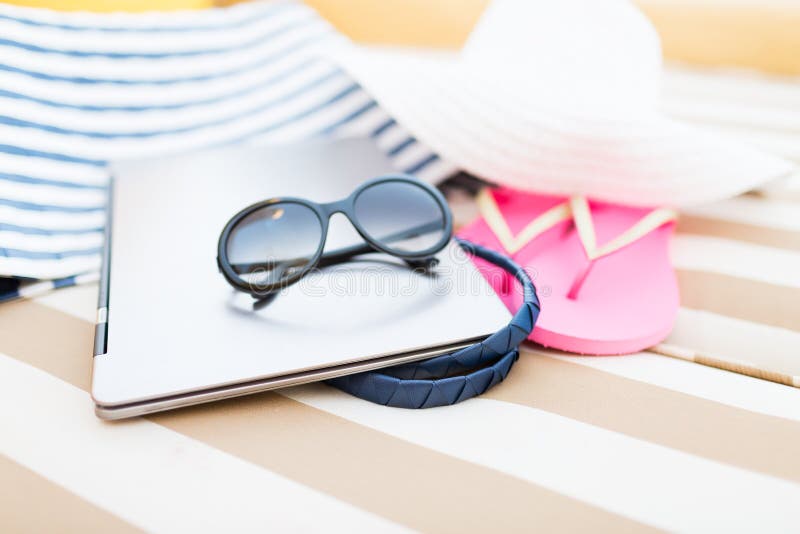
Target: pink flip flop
x,y
602,270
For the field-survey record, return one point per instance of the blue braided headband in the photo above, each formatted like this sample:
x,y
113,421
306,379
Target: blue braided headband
x,y
466,373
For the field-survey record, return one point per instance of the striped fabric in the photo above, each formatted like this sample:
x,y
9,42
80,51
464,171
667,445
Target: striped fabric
x,y
637,443
78,90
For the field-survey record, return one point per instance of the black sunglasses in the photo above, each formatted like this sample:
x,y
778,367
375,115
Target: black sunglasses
x,y
273,244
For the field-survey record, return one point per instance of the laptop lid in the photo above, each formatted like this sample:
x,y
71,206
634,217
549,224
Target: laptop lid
x,y
177,333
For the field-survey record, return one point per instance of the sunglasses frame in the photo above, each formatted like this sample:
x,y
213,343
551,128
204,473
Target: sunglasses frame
x,y
346,207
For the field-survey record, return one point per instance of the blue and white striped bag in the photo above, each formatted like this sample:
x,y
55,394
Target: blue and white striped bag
x,y
80,89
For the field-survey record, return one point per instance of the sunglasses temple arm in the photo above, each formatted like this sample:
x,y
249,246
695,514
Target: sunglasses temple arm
x,y
345,254
335,257
329,258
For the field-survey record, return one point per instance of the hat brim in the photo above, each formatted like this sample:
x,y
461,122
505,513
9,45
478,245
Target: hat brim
x,y
506,137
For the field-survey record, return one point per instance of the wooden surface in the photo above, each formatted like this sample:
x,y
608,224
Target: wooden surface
x,y
761,34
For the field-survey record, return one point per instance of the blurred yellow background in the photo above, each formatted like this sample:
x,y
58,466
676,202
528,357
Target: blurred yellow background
x,y
762,34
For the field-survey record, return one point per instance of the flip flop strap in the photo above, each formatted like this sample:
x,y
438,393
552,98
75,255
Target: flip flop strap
x,y
582,215
454,377
497,223
577,208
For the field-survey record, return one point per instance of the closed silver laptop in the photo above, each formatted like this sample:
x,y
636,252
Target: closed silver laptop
x,y
172,332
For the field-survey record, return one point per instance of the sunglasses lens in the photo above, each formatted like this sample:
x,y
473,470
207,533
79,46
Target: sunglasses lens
x,y
274,243
404,217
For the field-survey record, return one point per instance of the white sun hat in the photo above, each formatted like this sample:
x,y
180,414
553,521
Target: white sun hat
x,y
559,97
